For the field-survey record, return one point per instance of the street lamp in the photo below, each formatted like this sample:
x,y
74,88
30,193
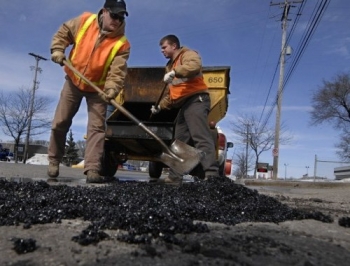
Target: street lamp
x,y
307,170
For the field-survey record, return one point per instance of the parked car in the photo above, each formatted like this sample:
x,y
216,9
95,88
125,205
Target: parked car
x,y
130,167
10,157
4,153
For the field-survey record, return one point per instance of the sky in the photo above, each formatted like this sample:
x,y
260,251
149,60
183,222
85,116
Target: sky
x,y
243,34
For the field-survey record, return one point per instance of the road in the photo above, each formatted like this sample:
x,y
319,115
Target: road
x,y
291,242
72,176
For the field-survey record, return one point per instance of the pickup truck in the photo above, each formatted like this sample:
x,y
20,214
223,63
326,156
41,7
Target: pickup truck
x,y
143,88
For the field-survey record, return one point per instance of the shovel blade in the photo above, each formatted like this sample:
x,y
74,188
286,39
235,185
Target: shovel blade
x,y
187,157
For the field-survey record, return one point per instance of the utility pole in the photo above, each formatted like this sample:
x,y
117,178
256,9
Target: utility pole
x,y
286,5
315,167
246,152
285,171
32,98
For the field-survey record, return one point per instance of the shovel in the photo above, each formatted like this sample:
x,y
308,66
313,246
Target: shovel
x,y
180,157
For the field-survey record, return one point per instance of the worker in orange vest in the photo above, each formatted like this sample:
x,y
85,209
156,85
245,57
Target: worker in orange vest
x,y
100,52
189,93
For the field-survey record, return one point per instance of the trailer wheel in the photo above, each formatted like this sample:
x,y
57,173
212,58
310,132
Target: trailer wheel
x,y
109,164
198,172
222,171
155,169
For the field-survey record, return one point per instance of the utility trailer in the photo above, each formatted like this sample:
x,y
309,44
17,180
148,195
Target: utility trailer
x,y
143,87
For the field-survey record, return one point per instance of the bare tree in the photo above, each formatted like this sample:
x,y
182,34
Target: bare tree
x,y
257,138
331,103
243,162
343,146
15,114
81,146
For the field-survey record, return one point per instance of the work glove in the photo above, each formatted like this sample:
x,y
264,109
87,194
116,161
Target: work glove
x,y
168,77
109,94
58,57
155,110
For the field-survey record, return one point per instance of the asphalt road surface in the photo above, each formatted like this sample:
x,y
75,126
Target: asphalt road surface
x,y
303,242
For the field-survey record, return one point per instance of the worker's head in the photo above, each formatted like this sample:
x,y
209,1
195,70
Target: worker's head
x,y
114,12
169,45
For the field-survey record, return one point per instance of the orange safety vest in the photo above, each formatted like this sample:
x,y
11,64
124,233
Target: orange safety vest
x,y
93,62
181,87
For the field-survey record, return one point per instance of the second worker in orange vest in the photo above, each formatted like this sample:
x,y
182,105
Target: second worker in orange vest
x,y
100,52
188,92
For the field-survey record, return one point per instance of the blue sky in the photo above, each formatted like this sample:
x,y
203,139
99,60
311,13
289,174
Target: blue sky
x,y
242,34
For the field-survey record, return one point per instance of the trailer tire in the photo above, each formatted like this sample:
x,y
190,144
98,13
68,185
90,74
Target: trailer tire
x,y
198,172
155,169
222,171
109,165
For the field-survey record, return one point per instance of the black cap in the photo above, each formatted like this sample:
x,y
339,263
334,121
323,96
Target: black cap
x,y
116,7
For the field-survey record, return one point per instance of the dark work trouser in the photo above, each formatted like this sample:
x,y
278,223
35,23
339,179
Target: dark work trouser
x,y
68,106
192,128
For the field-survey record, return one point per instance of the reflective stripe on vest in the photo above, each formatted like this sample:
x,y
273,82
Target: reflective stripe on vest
x,y
82,31
111,56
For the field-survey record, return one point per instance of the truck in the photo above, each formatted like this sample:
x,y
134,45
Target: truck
x,y
143,88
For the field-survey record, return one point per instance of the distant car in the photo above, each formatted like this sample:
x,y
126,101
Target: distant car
x,y
4,153
10,157
129,167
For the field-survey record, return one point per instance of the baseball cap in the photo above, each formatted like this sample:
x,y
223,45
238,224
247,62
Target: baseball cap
x,y
116,7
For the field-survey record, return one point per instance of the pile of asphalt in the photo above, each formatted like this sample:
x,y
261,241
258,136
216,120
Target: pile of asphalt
x,y
22,246
144,211
344,221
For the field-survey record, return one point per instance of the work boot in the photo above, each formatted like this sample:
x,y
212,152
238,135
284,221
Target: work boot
x,y
170,180
93,176
210,174
190,178
53,170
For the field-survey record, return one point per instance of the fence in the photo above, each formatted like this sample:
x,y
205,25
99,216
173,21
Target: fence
x,y
325,168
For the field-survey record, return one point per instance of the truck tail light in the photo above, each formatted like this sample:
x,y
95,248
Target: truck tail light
x,y
222,141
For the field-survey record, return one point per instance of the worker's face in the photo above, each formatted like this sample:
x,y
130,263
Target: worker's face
x,y
167,49
110,21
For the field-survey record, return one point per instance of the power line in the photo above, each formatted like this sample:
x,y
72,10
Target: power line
x,y
318,13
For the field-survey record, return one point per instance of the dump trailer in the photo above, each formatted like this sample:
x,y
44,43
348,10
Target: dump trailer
x,y
143,88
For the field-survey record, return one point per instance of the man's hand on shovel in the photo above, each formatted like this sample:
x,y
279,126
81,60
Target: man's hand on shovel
x,y
155,110
109,94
